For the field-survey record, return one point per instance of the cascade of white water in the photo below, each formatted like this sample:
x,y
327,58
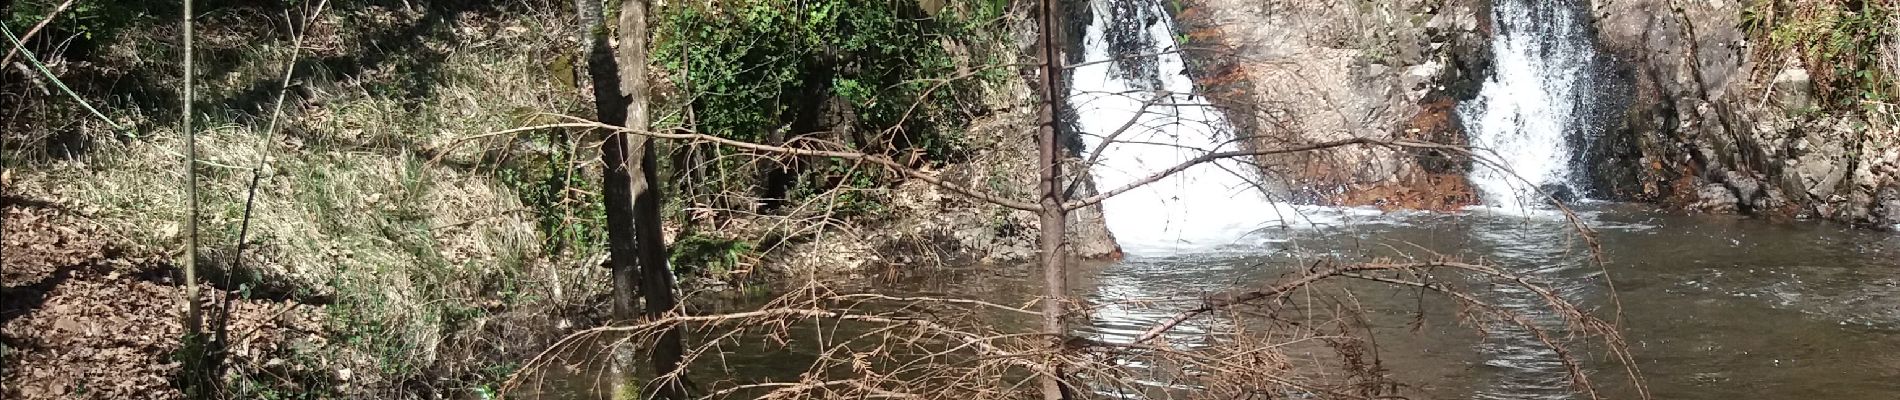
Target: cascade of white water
x,y
1206,207
1531,105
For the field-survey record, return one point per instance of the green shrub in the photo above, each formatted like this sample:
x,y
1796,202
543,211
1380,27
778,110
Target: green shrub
x,y
769,70
710,254
1838,41
86,19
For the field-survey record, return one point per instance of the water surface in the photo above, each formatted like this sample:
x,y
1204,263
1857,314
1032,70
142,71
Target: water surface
x,y
1713,307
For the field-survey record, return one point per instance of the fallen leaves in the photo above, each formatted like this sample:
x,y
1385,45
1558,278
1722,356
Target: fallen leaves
x,y
80,320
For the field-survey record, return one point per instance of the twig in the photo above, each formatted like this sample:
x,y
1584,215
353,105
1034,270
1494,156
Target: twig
x,y
35,60
33,31
886,162
1210,157
263,159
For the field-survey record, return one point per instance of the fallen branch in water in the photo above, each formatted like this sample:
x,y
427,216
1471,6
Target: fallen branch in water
x,y
883,346
1572,314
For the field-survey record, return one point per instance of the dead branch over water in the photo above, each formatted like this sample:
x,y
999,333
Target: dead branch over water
x,y
888,162
1268,342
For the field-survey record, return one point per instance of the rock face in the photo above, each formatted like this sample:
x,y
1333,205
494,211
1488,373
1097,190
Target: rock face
x,y
1302,71
1716,123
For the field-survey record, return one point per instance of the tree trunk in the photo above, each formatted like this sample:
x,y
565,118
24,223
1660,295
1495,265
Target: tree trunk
x,y
617,197
197,356
636,248
644,182
1054,217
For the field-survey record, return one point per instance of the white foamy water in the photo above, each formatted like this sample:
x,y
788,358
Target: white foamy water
x,y
1207,207
1531,104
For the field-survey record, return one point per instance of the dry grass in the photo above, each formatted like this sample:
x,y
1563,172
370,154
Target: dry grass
x,y
414,251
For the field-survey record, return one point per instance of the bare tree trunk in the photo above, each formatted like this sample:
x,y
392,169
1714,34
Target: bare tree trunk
x,y
197,358
630,177
610,106
644,181
1054,216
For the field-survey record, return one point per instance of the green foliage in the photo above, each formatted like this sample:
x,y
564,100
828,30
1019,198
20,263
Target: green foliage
x,y
492,379
849,200
714,255
565,202
1838,41
86,19
769,70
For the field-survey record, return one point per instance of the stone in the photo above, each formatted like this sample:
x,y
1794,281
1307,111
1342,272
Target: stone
x,y
1336,72
1819,175
1422,76
1746,187
1887,212
1558,193
1794,89
1377,69
1715,198
1860,206
1439,22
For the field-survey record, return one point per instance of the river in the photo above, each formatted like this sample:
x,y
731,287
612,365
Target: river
x,y
1713,307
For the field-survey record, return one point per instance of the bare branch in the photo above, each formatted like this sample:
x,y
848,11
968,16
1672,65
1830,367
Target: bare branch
x,y
1216,156
1096,155
884,161
36,30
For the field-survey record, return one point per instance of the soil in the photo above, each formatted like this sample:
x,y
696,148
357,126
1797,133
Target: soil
x,y
83,317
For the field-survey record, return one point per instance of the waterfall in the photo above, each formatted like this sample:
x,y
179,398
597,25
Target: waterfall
x,y
1532,103
1207,207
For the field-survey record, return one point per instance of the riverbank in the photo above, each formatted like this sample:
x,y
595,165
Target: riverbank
x,y
424,254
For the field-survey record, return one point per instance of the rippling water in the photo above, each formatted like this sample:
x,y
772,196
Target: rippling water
x,y
1714,307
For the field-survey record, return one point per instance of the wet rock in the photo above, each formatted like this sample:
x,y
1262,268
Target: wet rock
x,y
1377,70
1558,193
1716,198
1822,165
1423,76
1859,206
1452,20
1886,212
1693,117
1745,187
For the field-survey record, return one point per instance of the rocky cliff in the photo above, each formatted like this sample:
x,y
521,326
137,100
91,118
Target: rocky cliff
x,y
1303,71
1731,108
1777,109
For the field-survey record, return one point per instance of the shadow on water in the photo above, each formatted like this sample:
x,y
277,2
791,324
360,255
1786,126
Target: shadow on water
x,y
1713,307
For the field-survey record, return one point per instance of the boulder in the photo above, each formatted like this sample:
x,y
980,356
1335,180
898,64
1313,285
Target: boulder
x,y
1716,198
1558,193
1794,90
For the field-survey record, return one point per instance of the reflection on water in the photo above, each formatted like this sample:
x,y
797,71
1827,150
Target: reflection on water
x,y
1713,307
